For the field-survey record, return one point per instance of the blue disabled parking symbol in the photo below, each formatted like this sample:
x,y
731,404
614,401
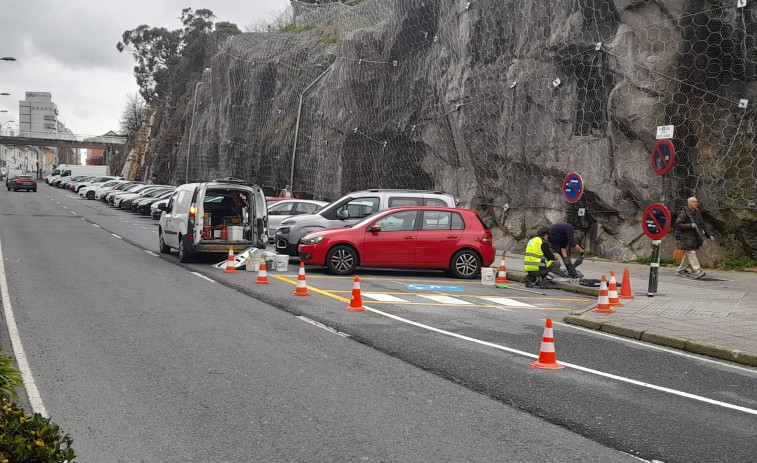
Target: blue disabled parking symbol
x,y
416,287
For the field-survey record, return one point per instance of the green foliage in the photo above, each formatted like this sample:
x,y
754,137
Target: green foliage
x,y
330,39
31,439
293,28
10,378
741,262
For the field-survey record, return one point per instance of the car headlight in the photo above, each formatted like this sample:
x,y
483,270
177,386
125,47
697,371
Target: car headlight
x,y
313,239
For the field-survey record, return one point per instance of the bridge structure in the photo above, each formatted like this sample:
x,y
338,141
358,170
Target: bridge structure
x,y
62,140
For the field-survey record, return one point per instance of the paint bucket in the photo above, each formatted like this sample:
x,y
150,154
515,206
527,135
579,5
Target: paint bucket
x,y
282,262
234,232
488,275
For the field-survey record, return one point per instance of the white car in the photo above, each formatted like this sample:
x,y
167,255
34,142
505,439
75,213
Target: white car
x,y
280,210
89,191
94,181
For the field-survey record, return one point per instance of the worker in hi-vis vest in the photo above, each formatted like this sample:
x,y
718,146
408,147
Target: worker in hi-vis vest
x,y
539,260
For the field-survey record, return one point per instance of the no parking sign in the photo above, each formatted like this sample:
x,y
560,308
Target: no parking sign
x,y
656,221
573,187
663,155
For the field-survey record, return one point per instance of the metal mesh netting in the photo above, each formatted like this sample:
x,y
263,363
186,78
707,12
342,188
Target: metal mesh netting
x,y
494,101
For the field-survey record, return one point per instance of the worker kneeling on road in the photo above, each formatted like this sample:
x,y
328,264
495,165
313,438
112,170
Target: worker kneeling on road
x,y
539,260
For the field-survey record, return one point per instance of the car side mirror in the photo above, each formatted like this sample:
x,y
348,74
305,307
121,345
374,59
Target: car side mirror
x,y
375,228
164,207
344,214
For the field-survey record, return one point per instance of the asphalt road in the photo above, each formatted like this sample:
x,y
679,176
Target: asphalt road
x,y
191,364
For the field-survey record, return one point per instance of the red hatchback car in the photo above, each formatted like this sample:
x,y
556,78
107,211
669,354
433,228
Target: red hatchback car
x,y
405,237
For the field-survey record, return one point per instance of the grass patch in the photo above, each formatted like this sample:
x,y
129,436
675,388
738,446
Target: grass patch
x,y
330,39
741,262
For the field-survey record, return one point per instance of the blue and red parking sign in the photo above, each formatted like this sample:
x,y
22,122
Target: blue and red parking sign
x,y
573,187
663,156
656,221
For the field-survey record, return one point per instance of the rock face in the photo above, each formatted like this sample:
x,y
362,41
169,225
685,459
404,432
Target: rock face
x,y
494,101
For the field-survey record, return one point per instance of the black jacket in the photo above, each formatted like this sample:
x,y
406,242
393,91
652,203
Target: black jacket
x,y
691,238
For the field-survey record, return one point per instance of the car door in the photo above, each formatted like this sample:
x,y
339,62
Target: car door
x,y
174,216
393,244
438,236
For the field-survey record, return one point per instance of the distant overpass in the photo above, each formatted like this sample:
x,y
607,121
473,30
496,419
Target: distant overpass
x,y
62,140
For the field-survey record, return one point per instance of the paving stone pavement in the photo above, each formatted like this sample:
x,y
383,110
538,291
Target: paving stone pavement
x,y
714,316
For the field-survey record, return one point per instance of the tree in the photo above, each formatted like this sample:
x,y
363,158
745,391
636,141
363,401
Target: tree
x,y
134,115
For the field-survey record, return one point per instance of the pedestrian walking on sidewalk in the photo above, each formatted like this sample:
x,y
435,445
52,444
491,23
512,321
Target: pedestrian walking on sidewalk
x,y
539,260
692,230
286,192
563,237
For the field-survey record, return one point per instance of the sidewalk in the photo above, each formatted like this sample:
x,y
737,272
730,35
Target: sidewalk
x,y
714,316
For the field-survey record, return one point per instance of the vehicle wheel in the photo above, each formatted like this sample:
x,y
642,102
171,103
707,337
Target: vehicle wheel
x,y
465,264
90,195
15,189
164,249
184,255
342,260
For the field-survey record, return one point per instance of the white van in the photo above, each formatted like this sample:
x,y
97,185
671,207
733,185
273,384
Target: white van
x,y
351,209
212,217
68,171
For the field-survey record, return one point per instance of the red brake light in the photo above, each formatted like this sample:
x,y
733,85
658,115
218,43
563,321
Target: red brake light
x,y
192,211
487,236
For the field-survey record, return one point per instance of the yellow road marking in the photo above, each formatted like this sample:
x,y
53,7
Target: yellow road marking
x,y
311,288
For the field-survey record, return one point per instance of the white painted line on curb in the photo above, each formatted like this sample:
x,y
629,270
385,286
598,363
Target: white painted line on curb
x,y
322,326
18,349
151,253
117,236
669,350
204,277
95,225
74,213
571,365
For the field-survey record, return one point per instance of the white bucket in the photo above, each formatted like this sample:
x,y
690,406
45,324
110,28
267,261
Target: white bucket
x,y
252,264
282,262
488,276
234,232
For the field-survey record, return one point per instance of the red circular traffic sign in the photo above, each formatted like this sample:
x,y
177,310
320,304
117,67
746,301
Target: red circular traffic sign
x,y
573,187
656,221
663,156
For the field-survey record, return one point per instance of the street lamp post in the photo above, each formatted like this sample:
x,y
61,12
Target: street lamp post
x,y
191,126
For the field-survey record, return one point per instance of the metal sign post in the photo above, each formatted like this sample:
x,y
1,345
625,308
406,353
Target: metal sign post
x,y
654,268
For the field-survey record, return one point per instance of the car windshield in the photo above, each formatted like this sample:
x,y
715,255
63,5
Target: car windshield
x,y
27,177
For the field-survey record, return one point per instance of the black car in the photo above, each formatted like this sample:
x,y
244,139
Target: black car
x,y
22,182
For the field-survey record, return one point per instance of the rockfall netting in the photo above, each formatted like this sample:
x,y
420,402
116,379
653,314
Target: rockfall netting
x,y
494,101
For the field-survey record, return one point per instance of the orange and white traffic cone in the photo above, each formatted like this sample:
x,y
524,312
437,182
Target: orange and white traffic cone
x,y
302,286
502,275
613,291
231,265
547,356
356,303
262,274
603,303
625,288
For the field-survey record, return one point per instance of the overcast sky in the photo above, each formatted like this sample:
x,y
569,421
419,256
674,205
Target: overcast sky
x,y
68,48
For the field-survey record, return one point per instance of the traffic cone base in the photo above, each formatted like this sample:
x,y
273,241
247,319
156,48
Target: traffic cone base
x,y
603,303
356,303
625,287
231,265
302,286
612,291
262,274
502,274
547,357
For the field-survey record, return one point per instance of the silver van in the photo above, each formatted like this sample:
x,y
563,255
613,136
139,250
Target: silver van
x,y
213,217
351,209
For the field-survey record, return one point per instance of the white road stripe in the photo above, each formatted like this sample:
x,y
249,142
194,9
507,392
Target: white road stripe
x,y
322,326
117,236
95,225
383,297
203,277
571,365
151,253
447,300
18,349
506,301
74,213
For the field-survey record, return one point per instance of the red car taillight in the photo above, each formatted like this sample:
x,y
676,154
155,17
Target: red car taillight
x,y
487,236
192,211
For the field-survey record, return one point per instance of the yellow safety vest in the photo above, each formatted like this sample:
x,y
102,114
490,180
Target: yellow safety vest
x,y
535,258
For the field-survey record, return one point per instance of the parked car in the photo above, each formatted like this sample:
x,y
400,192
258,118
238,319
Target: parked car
x,y
114,199
90,191
196,216
280,210
75,184
155,208
103,195
142,206
93,181
23,182
65,181
405,237
127,200
349,210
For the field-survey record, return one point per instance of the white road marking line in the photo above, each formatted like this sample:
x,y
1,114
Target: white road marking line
x,y
151,253
95,225
669,350
447,300
383,297
119,237
203,277
64,207
18,349
74,213
322,326
506,301
571,365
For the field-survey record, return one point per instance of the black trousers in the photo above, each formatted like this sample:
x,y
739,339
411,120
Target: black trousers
x,y
534,276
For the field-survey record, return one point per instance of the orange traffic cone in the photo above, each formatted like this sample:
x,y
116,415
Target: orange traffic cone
x,y
302,286
613,291
547,357
625,288
356,303
502,275
231,265
603,303
262,274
